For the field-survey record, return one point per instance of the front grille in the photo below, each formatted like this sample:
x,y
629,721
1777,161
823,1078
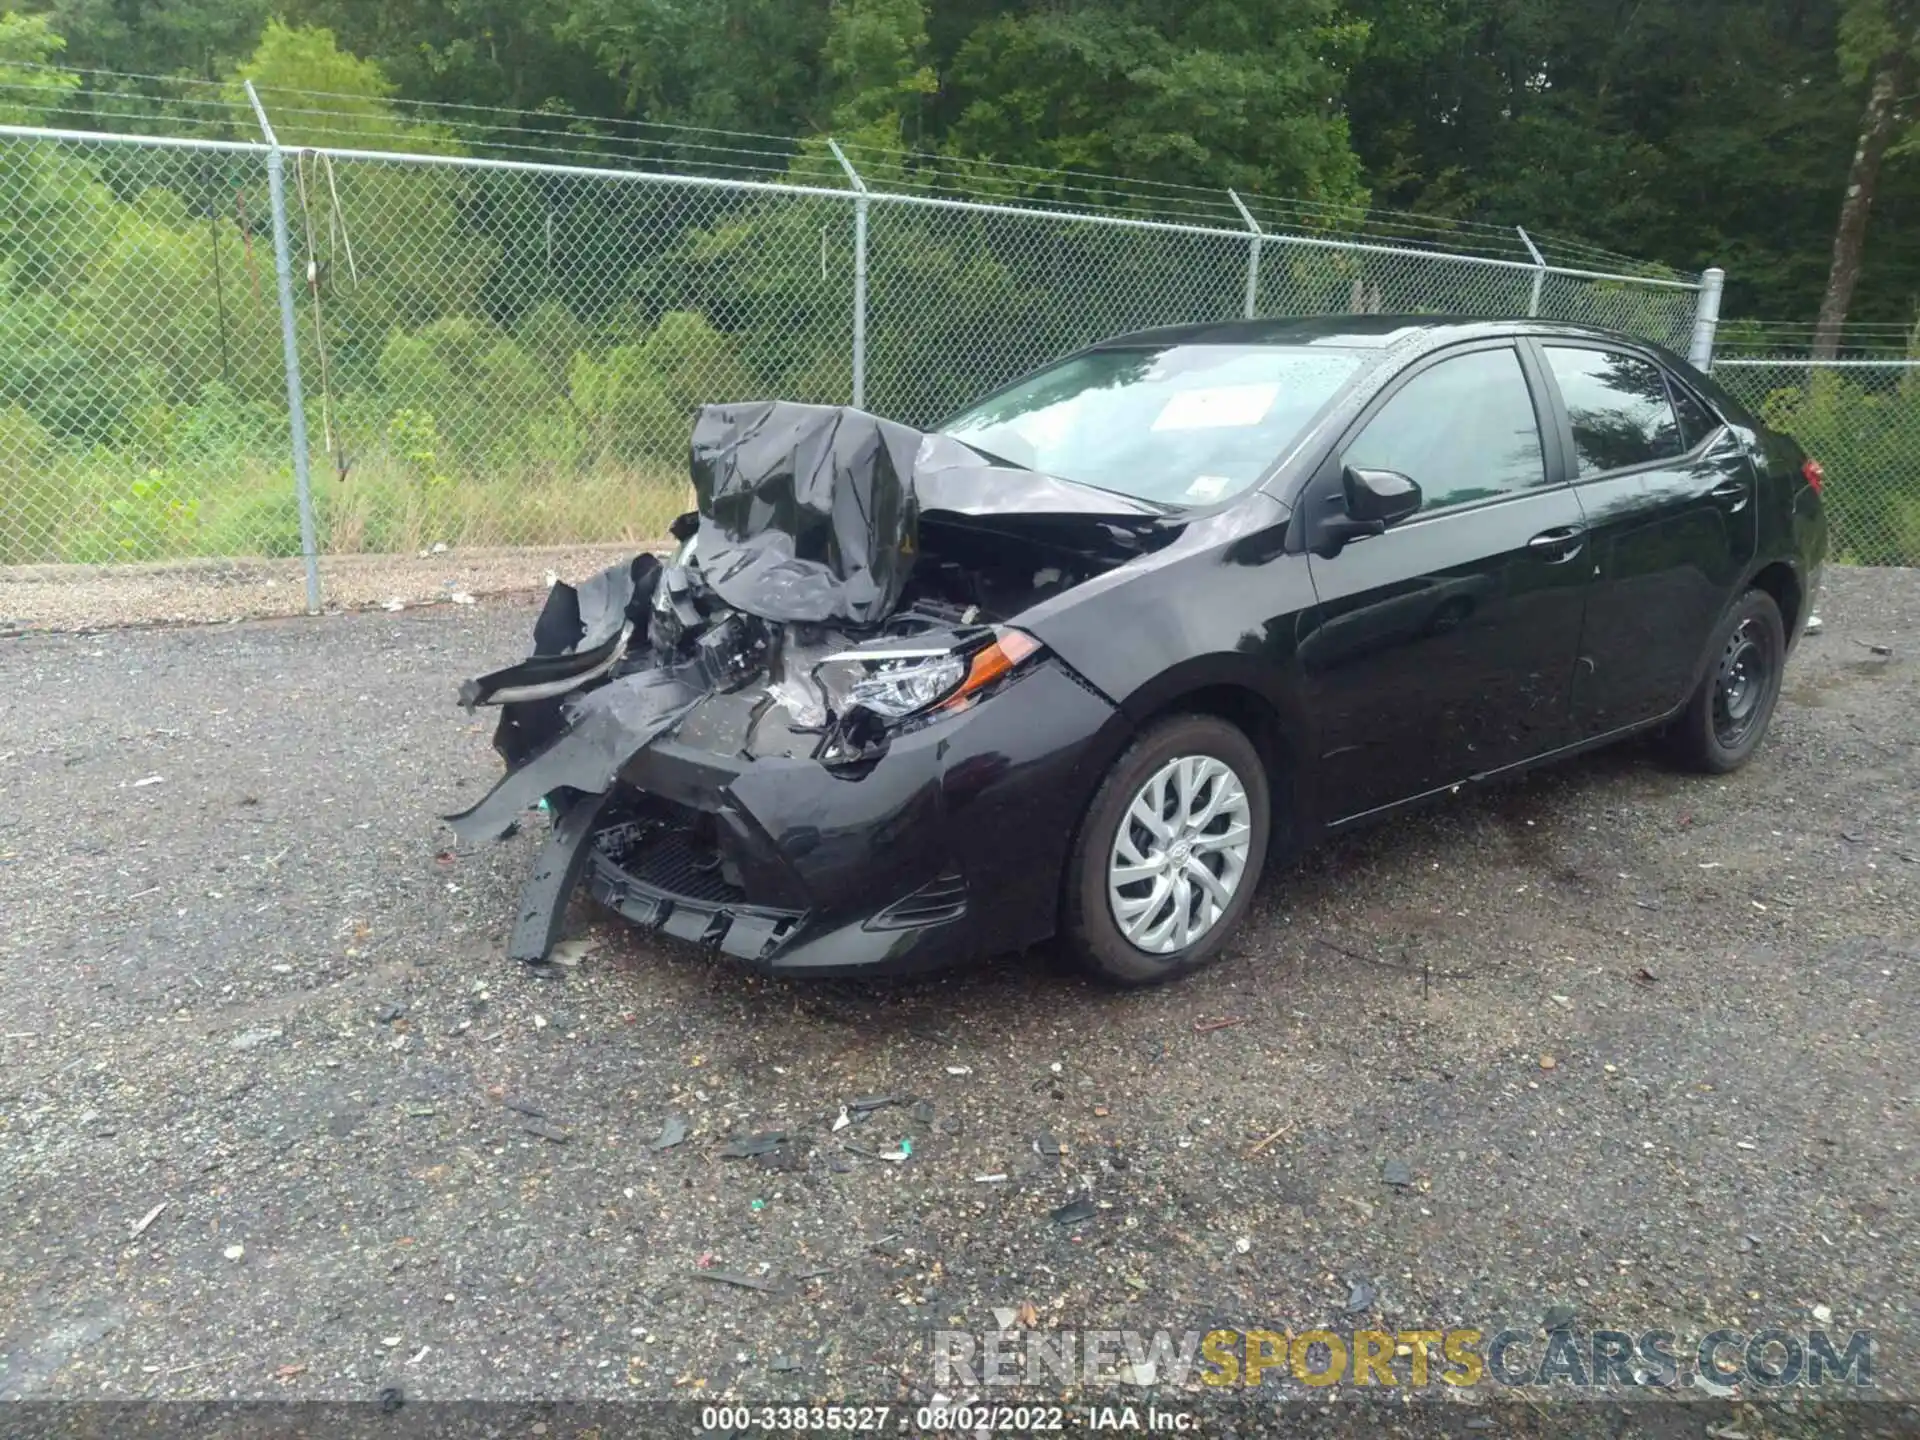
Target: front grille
x,y
675,854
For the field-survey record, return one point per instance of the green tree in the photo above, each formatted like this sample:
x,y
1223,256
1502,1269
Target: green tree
x,y
1215,93
1879,52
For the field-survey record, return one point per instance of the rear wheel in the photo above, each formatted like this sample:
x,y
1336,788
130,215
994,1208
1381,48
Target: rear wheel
x,y
1728,714
1170,852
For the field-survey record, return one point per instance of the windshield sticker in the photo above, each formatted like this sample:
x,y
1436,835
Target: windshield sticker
x,y
1218,408
1208,487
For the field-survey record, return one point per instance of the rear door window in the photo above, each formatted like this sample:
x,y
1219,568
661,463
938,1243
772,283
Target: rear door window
x,y
1696,420
1618,407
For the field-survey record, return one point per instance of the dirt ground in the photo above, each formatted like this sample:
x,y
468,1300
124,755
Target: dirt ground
x,y
175,592
278,1120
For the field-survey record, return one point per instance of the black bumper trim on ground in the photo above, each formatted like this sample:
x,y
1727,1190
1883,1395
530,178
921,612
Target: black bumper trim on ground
x,y
749,933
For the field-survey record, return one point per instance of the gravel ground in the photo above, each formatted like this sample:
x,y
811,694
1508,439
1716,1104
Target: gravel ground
x,y
1632,1042
88,597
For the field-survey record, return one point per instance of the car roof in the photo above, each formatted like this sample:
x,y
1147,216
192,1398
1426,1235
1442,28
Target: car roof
x,y
1360,332
1414,335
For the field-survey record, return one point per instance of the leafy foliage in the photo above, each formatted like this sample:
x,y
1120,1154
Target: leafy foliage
x,y
463,335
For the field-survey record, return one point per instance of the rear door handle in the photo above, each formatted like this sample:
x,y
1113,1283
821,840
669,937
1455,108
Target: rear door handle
x,y
1729,490
1559,544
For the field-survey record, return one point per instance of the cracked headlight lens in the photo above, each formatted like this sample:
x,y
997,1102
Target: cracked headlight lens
x,y
897,683
893,685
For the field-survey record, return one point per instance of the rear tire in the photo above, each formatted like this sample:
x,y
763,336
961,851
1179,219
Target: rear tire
x,y
1170,852
1727,716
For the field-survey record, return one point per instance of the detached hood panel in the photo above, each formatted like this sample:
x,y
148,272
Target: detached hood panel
x,y
810,513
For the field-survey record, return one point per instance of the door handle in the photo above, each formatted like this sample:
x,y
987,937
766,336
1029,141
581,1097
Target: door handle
x,y
1560,544
1729,490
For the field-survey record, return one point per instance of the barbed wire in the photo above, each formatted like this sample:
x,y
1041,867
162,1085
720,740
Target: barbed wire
x,y
656,146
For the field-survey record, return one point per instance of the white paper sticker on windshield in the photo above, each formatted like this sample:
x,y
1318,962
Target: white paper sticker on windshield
x,y
1217,408
1208,487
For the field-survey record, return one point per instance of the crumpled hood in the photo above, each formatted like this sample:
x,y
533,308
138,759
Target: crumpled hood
x,y
811,512
812,521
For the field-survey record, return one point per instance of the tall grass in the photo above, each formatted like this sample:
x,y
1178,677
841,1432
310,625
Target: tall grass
x,y
100,505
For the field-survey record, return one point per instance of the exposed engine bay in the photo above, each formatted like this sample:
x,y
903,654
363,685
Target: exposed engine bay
x,y
845,580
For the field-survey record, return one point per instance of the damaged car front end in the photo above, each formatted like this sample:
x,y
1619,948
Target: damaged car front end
x,y
812,737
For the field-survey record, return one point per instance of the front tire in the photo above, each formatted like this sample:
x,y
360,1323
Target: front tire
x,y
1170,852
1728,714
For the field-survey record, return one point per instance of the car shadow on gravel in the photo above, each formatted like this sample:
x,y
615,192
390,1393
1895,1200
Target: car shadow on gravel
x,y
1309,889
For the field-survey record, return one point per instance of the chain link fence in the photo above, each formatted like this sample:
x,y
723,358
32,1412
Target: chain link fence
x,y
143,401
508,353
1861,419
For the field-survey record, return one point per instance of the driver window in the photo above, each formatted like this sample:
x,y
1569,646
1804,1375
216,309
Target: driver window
x,y
1464,430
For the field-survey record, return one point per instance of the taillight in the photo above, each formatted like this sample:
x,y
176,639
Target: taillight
x,y
1811,472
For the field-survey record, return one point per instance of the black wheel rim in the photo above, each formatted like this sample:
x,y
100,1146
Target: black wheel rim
x,y
1741,687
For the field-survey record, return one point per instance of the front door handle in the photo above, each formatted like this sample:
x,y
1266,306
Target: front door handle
x,y
1559,544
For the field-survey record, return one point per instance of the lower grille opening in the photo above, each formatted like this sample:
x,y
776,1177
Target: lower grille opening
x,y
677,853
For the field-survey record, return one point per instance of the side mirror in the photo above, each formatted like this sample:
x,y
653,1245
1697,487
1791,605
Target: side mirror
x,y
1371,500
1383,496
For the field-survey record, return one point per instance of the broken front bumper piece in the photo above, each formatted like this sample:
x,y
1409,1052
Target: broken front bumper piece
x,y
948,844
806,741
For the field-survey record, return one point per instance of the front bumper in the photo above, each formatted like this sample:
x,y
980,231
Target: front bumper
x,y
726,833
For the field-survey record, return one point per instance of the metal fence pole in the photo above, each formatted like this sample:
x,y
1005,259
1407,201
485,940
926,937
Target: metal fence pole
x,y
1706,318
1253,255
1539,272
859,276
290,344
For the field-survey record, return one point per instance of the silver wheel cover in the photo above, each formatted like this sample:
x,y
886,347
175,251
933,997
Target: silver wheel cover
x,y
1179,854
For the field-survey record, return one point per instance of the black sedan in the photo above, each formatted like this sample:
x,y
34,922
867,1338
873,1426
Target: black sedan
x,y
1080,661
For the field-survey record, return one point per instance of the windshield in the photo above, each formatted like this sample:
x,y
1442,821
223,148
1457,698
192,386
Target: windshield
x,y
1181,425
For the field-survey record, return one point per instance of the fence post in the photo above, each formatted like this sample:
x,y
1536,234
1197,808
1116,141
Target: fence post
x,y
1539,270
1706,318
859,275
290,345
1253,254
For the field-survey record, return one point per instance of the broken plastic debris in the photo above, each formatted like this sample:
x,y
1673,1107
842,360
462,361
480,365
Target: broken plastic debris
x,y
1074,1211
571,952
145,1220
672,1132
149,780
763,1144
734,1277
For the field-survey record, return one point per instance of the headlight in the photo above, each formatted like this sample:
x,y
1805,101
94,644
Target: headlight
x,y
904,680
892,683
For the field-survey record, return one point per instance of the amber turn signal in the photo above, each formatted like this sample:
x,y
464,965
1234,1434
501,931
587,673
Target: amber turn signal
x,y
1009,648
